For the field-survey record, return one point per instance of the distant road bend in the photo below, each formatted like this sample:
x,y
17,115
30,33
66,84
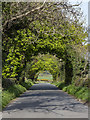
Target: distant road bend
x,y
44,100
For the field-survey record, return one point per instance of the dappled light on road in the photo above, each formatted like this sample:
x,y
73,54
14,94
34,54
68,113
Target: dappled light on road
x,y
45,100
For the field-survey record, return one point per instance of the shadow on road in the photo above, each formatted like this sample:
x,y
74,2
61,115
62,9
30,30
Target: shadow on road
x,y
39,99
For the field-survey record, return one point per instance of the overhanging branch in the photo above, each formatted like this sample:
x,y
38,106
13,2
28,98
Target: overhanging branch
x,y
23,15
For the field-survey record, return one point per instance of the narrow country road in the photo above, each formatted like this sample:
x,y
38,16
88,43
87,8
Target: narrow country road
x,y
44,100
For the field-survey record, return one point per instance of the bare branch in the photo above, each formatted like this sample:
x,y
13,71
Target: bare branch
x,y
23,15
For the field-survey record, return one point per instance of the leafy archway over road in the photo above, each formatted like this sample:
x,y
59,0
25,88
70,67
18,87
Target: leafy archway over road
x,y
53,32
43,62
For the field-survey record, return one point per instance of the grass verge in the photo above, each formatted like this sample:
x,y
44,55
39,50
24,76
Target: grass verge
x,y
14,91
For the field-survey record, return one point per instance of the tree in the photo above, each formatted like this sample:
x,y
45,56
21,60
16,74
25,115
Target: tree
x,y
14,14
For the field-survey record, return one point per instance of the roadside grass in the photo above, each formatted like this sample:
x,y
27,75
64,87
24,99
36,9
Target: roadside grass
x,y
78,91
14,91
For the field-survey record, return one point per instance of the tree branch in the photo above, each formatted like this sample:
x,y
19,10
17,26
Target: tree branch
x,y
23,15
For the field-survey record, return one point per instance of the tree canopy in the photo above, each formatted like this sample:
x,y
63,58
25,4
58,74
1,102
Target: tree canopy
x,y
54,28
43,63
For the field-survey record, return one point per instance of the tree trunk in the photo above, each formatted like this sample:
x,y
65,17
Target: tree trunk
x,y
68,71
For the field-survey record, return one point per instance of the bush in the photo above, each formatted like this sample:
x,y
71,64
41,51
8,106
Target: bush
x,y
64,89
82,94
85,96
27,84
60,85
71,89
6,83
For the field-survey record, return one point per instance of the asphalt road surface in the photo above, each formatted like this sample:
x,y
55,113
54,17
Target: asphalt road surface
x,y
44,100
